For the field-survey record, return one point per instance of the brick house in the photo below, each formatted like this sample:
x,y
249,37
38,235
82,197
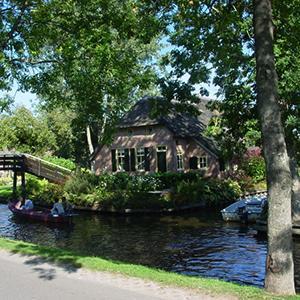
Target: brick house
x,y
172,143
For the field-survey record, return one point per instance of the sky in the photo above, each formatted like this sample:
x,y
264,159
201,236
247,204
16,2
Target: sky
x,y
22,98
29,100
25,99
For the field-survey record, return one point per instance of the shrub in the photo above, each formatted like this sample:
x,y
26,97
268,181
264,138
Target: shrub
x,y
255,168
42,191
143,184
6,180
169,180
65,163
122,191
211,192
81,183
245,182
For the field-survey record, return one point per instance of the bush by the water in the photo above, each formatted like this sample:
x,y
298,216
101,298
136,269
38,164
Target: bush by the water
x,y
122,191
255,167
42,191
212,192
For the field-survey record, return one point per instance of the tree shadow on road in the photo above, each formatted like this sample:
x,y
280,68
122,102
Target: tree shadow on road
x,y
45,261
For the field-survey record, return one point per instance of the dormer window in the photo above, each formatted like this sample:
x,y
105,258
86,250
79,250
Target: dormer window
x,y
130,132
149,130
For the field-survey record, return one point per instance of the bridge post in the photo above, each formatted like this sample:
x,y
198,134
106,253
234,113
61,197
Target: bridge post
x,y
15,184
23,186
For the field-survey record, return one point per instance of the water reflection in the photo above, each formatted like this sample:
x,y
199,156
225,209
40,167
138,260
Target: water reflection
x,y
192,244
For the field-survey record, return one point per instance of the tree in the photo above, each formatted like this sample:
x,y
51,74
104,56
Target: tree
x,y
24,132
219,36
70,136
5,104
91,57
280,267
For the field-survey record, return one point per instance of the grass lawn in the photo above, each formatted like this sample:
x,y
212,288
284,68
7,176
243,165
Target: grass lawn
x,y
5,191
206,285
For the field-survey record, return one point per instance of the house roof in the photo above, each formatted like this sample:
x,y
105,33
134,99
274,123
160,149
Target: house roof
x,y
181,124
141,114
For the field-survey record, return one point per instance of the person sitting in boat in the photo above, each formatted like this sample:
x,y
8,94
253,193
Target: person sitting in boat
x,y
19,203
28,205
57,208
67,206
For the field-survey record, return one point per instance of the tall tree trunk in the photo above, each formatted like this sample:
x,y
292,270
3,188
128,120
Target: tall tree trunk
x,y
279,268
89,139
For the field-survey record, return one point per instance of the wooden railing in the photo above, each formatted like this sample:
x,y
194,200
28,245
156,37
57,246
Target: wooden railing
x,y
45,169
11,161
19,162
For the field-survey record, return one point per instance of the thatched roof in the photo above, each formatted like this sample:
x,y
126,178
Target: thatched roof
x,y
183,125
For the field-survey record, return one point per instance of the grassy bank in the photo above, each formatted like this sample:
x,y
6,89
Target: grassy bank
x,y
205,285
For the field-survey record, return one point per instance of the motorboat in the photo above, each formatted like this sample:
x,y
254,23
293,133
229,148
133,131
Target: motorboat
x,y
247,209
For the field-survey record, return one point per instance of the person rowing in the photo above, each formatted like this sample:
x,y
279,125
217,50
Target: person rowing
x,y
57,209
28,205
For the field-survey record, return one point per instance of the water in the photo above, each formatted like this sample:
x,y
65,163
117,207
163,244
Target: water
x,y
192,244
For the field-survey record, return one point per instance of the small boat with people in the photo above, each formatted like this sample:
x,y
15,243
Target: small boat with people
x,y
246,209
43,215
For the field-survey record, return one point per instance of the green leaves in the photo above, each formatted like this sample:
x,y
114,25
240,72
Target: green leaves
x,y
22,131
213,42
92,57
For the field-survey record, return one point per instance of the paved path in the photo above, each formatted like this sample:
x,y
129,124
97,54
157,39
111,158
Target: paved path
x,y
31,278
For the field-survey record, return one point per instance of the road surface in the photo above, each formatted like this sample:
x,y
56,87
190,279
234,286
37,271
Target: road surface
x,y
31,278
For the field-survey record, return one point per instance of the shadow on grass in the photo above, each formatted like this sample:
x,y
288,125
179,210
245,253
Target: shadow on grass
x,y
37,256
45,261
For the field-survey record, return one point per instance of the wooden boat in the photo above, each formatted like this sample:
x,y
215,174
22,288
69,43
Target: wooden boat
x,y
246,209
39,215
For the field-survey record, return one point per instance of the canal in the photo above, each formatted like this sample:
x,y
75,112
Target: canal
x,y
197,244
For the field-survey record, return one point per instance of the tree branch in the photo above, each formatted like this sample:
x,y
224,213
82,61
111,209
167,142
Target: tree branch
x,y
15,26
46,61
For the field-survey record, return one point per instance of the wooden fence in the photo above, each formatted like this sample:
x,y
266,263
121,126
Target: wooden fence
x,y
10,161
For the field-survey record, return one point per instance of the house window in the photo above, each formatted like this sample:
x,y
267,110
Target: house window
x,y
140,159
161,149
130,132
162,158
193,163
127,160
149,130
179,161
203,162
120,159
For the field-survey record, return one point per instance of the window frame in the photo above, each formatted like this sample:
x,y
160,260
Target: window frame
x,y
201,164
180,160
122,157
139,156
161,150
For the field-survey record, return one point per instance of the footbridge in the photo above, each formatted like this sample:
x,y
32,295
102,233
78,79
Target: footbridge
x,y
21,163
